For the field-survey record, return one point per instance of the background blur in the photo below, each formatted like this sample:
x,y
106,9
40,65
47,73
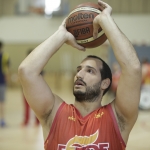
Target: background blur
x,y
24,24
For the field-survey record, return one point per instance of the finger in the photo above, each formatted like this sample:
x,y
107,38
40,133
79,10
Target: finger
x,y
64,22
76,45
96,27
103,4
79,47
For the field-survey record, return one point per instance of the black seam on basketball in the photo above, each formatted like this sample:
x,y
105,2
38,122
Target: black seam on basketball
x,y
79,25
87,37
85,10
91,41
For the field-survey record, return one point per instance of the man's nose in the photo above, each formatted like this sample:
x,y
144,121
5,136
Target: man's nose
x,y
80,74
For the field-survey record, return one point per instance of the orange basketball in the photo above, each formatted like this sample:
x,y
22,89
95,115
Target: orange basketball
x,y
80,24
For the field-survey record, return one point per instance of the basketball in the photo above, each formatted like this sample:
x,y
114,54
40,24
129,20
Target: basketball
x,y
80,23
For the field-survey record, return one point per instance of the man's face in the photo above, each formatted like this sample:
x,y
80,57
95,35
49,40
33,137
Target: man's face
x,y
87,81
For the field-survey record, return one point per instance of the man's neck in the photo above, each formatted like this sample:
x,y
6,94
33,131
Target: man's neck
x,y
86,108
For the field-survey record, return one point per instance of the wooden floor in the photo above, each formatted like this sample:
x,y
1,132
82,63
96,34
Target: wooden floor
x,y
15,137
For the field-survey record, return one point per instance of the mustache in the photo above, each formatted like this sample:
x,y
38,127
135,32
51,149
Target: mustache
x,y
80,81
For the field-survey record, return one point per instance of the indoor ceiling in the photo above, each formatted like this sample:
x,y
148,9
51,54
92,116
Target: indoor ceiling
x,y
14,7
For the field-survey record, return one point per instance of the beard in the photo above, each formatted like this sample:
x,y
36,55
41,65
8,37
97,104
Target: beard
x,y
90,95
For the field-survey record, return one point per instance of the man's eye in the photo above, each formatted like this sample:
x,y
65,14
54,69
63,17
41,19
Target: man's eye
x,y
90,71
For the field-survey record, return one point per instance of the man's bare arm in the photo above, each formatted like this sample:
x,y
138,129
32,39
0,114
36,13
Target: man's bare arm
x,y
38,94
128,91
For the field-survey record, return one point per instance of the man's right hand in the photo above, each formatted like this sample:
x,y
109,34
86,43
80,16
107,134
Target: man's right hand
x,y
70,39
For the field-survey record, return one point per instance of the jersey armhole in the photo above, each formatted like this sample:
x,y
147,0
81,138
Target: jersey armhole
x,y
115,124
55,119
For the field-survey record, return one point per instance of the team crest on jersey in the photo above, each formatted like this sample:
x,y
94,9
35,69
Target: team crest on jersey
x,y
84,143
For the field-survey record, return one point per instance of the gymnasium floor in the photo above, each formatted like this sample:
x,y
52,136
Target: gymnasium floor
x,y
16,137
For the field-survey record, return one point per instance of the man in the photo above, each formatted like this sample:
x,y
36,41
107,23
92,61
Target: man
x,y
26,116
85,124
4,70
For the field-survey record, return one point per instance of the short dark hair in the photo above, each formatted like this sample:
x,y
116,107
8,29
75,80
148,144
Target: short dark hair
x,y
105,71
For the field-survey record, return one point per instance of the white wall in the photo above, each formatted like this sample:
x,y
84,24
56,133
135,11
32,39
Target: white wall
x,y
34,29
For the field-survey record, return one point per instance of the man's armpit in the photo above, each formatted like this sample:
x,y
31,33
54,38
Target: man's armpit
x,y
121,121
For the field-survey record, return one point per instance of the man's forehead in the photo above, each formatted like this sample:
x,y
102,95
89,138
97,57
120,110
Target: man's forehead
x,y
92,62
90,59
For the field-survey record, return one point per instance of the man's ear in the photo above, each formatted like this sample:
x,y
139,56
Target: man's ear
x,y
105,84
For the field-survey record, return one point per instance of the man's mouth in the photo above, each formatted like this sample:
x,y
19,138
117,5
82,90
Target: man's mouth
x,y
79,83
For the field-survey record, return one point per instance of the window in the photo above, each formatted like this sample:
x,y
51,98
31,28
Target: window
x,y
51,6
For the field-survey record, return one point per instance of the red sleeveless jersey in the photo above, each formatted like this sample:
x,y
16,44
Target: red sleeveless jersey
x,y
96,131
